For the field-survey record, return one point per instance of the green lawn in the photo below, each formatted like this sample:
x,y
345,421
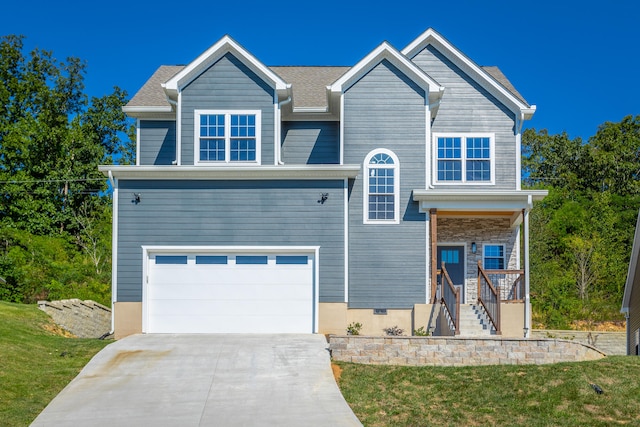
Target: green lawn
x,y
549,395
35,362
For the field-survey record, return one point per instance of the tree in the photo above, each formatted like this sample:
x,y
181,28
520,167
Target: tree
x,y
54,199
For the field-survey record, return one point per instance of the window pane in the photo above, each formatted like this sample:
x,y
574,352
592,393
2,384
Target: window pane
x,y
478,148
212,149
381,159
292,259
478,170
449,170
381,207
251,259
449,148
211,259
494,257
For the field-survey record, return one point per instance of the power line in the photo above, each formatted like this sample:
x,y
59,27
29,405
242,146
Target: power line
x,y
49,181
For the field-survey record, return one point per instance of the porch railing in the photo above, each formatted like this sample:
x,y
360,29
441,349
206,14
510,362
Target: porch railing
x,y
508,283
489,298
450,298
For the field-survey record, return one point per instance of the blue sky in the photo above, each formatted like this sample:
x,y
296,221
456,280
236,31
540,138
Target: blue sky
x,y
578,61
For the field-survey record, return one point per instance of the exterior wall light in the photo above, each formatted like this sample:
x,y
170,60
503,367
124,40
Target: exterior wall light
x,y
474,248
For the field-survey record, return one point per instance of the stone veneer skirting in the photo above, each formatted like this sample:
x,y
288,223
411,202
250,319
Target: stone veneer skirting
x,y
458,351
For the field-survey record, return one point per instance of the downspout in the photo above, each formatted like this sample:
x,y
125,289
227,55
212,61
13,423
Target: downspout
x,y
278,147
175,106
429,178
626,317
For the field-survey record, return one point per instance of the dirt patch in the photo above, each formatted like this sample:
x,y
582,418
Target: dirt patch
x,y
57,330
582,325
337,371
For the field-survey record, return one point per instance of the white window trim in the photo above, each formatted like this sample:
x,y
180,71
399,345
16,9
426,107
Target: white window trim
x,y
505,262
464,136
396,188
227,161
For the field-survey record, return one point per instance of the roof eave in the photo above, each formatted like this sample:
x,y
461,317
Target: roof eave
x,y
231,172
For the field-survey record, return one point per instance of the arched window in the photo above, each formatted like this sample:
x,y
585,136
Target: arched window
x,y
381,188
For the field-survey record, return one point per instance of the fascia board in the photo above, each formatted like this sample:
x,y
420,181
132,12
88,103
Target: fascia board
x,y
388,52
477,200
231,172
633,267
225,45
431,37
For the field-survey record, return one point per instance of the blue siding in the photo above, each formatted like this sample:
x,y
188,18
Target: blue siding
x,y
387,263
157,142
221,213
311,142
228,85
467,107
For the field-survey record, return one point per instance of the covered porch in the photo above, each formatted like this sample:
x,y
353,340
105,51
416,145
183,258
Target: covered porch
x,y
477,260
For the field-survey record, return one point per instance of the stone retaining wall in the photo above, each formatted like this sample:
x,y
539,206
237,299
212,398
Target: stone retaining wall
x,y
457,351
611,343
84,319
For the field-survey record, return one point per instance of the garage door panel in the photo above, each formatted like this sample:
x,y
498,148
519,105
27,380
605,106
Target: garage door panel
x,y
230,298
212,324
191,307
231,291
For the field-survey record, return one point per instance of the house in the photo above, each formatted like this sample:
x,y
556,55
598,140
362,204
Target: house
x,y
631,299
305,199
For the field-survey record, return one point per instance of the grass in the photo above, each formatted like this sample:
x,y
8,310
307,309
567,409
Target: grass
x,y
546,395
36,361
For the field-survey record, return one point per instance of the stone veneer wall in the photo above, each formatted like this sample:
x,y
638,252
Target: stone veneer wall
x,y
84,319
611,343
456,351
482,231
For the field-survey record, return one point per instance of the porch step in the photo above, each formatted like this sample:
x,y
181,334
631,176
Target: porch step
x,y
474,321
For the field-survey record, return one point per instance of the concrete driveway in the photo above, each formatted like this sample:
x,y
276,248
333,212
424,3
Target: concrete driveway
x,y
204,380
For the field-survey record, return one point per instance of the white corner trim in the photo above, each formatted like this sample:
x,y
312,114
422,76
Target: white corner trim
x,y
346,239
179,130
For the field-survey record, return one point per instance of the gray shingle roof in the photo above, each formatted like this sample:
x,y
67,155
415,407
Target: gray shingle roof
x,y
309,84
502,79
151,93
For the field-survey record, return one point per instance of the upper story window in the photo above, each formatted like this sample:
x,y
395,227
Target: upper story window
x,y
225,137
381,188
464,158
494,257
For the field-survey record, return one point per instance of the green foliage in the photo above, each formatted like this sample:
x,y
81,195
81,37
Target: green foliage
x,y
421,332
54,210
36,363
582,233
354,328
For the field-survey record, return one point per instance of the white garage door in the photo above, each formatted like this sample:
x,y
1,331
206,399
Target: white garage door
x,y
229,293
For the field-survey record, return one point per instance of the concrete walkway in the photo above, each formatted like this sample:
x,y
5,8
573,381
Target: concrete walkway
x,y
204,380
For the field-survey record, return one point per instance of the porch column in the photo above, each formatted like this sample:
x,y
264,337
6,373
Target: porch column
x,y
527,301
433,215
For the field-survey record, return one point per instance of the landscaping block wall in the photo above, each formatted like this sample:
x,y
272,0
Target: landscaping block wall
x,y
457,351
84,319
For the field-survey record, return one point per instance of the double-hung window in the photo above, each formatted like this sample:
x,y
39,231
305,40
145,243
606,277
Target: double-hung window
x,y
464,158
225,137
381,188
494,257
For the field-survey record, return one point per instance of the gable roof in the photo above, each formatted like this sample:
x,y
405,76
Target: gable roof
x,y
492,81
388,52
225,45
